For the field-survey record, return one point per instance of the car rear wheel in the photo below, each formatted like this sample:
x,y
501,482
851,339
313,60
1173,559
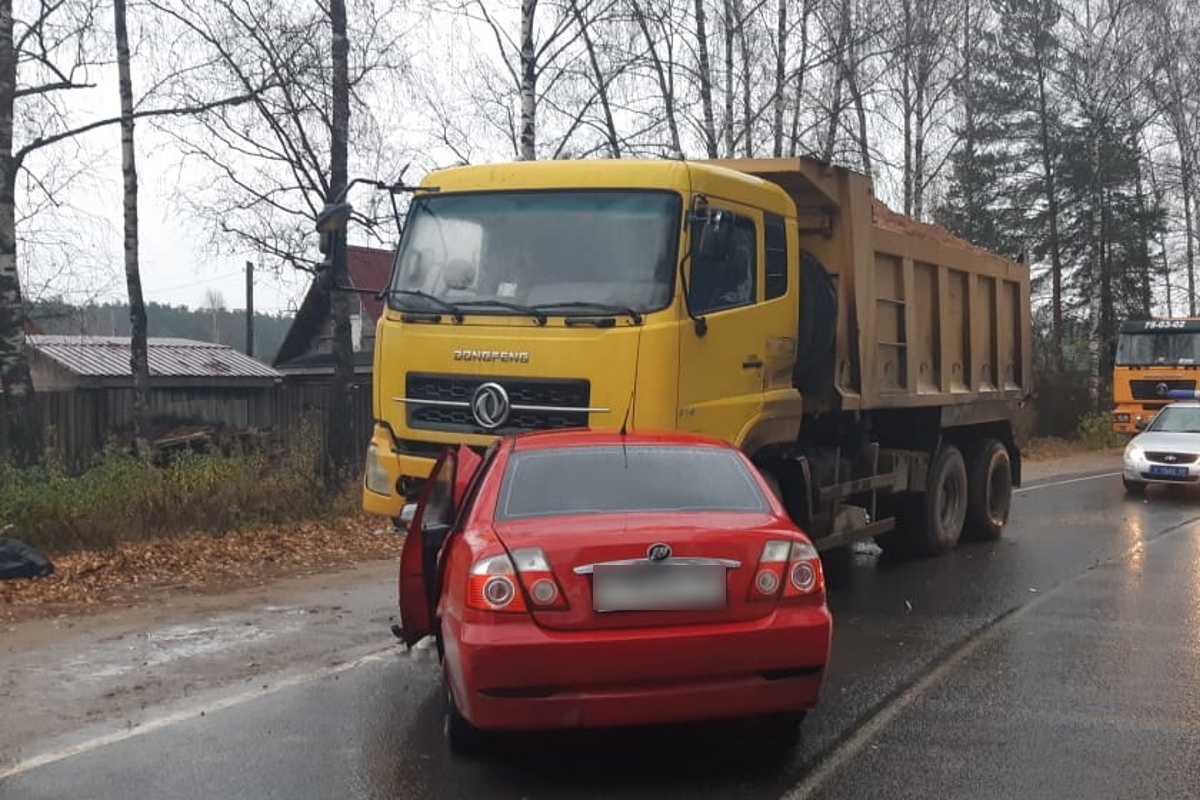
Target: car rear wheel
x,y
1134,487
783,728
462,737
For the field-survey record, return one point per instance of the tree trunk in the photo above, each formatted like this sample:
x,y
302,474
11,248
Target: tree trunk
x,y
602,81
20,427
340,450
528,82
139,361
1051,187
705,78
727,123
664,83
781,38
747,82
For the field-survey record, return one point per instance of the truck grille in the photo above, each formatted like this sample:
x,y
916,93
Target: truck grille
x,y
561,403
1150,390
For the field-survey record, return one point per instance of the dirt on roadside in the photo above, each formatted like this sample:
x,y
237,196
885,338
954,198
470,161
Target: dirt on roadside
x,y
142,572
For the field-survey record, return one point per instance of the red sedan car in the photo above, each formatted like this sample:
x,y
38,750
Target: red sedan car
x,y
584,579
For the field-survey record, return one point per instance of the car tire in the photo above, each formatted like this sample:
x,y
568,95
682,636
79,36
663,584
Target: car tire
x,y
463,738
989,492
1137,488
783,729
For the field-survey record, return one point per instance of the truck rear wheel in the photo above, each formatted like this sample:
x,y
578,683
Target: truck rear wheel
x,y
989,492
929,524
945,506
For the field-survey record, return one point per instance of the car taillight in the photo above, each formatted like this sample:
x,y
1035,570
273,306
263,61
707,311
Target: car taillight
x,y
495,584
540,584
492,585
793,567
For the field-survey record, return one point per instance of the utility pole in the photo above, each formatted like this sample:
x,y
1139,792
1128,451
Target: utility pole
x,y
250,308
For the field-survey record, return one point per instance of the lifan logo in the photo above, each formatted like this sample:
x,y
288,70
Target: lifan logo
x,y
509,356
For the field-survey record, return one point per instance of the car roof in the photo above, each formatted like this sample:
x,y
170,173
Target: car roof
x,y
584,437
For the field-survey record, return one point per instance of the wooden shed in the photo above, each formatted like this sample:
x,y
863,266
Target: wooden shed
x,y
85,390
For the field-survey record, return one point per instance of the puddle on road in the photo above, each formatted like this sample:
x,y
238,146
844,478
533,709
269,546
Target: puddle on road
x,y
178,642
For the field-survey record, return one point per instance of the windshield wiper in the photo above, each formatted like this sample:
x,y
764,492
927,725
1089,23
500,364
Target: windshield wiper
x,y
600,308
449,308
531,311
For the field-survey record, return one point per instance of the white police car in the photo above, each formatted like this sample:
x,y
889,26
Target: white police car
x,y
1167,451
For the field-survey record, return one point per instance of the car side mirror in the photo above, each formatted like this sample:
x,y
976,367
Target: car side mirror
x,y
1140,424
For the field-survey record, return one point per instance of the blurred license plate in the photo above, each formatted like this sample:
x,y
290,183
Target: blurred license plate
x,y
657,587
1168,472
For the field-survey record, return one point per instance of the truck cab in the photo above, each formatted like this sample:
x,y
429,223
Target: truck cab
x,y
551,295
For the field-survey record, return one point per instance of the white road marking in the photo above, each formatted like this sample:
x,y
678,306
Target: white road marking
x,y
1064,483
189,713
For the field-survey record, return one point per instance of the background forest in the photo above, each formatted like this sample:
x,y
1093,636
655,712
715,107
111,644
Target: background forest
x,y
1064,129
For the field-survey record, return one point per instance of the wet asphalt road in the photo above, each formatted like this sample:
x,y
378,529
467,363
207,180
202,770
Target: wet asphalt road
x,y
1060,662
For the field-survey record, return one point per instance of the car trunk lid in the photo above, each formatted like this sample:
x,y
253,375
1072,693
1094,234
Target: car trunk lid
x,y
615,572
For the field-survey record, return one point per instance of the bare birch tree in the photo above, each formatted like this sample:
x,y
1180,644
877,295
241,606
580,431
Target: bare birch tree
x,y
922,71
1173,37
138,350
52,45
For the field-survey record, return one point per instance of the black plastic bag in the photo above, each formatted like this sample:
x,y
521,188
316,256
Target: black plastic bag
x,y
19,560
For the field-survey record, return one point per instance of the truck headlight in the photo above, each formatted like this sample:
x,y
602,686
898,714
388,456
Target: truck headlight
x,y
377,479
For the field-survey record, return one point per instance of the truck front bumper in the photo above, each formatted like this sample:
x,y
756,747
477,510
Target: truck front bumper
x,y
391,477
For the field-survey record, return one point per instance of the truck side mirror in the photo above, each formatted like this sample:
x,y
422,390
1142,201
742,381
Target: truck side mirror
x,y
333,219
711,234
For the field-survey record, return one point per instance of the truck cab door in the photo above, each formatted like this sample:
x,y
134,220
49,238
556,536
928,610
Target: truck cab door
x,y
432,520
745,349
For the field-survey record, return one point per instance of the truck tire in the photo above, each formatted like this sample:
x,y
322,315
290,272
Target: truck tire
x,y
929,524
989,492
945,503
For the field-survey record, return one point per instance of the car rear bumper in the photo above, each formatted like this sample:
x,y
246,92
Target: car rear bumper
x,y
522,677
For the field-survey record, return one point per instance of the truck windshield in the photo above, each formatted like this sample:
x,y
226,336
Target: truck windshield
x,y
1158,347
506,252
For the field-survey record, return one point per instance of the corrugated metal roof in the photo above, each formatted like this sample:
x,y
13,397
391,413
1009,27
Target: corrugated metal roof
x,y
108,356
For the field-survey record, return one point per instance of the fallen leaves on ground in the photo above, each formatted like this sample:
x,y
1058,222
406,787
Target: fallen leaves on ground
x,y
137,571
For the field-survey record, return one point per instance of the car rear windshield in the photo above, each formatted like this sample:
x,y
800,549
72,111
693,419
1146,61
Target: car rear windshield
x,y
600,480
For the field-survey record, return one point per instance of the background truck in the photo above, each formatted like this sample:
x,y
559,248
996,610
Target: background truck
x,y
870,364
1157,361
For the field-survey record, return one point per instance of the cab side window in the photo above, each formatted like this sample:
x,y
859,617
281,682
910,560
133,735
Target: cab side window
x,y
776,247
731,281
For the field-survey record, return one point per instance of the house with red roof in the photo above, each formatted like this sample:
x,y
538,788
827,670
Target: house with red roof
x,y
307,349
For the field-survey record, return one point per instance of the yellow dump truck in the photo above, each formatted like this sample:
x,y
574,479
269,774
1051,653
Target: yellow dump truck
x,y
1157,361
869,363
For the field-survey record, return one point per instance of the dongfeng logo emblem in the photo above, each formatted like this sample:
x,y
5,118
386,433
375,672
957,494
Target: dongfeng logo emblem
x,y
658,552
490,406
1161,389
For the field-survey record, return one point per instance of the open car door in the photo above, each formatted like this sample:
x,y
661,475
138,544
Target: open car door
x,y
429,527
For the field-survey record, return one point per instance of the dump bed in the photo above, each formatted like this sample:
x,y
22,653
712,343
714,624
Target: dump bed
x,y
924,318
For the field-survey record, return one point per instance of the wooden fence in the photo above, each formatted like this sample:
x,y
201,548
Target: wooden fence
x,y
79,423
